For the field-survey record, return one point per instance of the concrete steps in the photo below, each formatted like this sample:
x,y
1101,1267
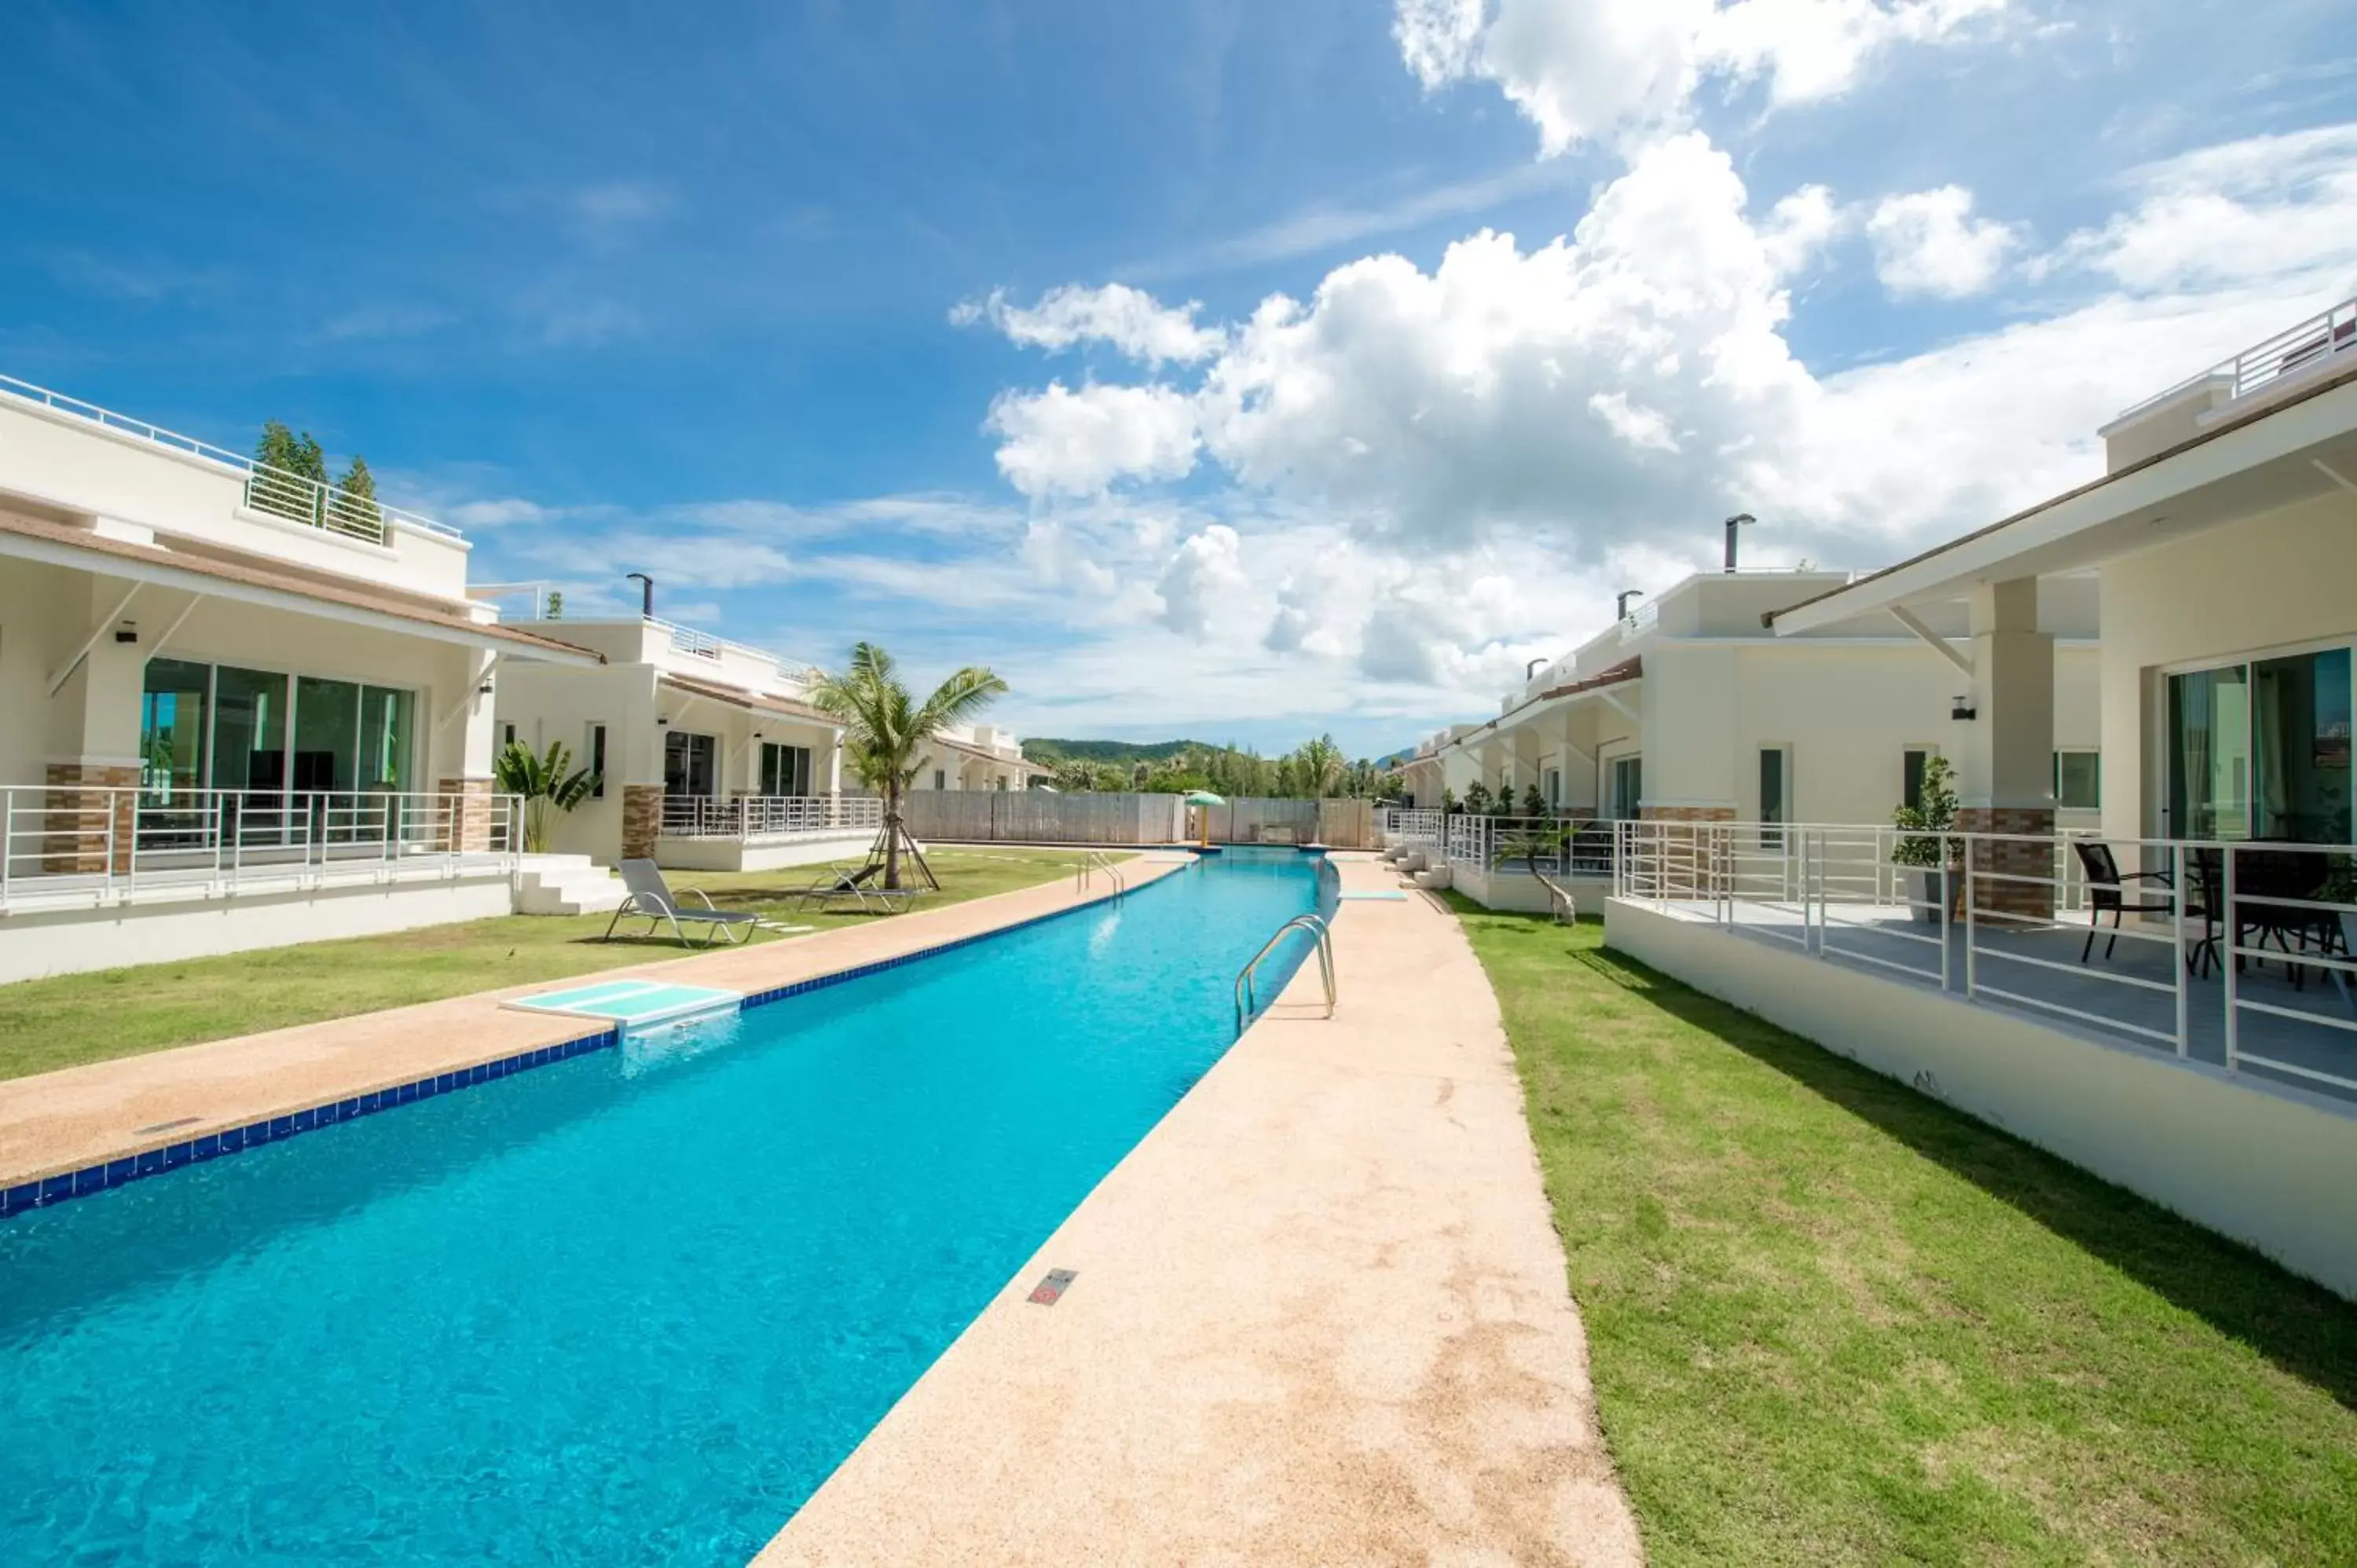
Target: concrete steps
x,y
566,885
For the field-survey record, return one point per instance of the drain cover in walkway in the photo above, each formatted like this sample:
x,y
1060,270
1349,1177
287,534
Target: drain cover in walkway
x,y
1049,1291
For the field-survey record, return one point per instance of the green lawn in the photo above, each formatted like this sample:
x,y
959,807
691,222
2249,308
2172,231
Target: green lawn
x,y
47,1023
1835,1321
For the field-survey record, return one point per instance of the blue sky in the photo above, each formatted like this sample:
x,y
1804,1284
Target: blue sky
x,y
614,292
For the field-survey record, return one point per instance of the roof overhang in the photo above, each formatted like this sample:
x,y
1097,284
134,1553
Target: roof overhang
x,y
750,702
2277,456
56,545
1628,673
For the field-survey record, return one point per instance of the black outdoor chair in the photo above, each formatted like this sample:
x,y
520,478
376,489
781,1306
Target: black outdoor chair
x,y
2260,877
2107,892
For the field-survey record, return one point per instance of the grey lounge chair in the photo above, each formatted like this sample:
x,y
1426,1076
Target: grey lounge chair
x,y
649,896
842,883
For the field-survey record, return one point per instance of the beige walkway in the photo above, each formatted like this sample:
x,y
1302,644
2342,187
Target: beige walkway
x,y
1319,1317
82,1116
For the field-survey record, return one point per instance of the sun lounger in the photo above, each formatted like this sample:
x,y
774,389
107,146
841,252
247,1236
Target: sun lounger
x,y
649,896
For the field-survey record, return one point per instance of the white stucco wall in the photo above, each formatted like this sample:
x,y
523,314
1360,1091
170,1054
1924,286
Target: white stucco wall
x,y
2269,585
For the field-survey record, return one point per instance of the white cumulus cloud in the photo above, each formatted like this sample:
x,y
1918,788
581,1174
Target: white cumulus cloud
x,y
1596,70
1126,320
1061,442
1929,243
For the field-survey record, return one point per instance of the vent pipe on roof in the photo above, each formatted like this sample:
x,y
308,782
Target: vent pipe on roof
x,y
1528,670
1621,601
647,586
1733,525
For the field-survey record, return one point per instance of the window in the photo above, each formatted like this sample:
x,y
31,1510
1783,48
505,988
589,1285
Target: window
x,y
1910,779
1775,787
507,735
597,763
1628,786
2078,780
1555,788
172,726
941,779
785,769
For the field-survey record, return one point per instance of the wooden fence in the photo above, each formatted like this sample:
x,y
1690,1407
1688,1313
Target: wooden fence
x,y
1036,816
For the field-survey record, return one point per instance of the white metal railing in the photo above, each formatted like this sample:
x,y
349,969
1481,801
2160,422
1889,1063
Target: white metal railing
x,y
1557,846
2320,338
2022,920
272,491
82,846
767,816
1414,826
704,645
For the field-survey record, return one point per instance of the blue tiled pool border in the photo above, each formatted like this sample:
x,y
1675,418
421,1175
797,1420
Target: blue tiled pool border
x,y
44,1192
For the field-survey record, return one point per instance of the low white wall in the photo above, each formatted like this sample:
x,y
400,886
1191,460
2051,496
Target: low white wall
x,y
2275,1168
72,942
1522,893
731,855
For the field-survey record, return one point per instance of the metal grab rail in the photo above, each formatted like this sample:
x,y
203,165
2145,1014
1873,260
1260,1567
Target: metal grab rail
x,y
1085,872
1248,1000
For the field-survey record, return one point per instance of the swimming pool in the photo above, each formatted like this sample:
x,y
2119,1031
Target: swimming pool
x,y
629,1307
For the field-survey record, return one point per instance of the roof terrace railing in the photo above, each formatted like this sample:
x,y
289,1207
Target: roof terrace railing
x,y
2320,338
272,491
704,645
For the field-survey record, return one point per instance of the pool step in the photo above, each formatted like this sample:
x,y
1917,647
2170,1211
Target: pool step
x,y
631,1004
566,885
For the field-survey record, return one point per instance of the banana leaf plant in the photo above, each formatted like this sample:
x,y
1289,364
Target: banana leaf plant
x,y
544,783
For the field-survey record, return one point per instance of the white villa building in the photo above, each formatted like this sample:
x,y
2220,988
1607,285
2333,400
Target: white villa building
x,y
2206,1055
238,708
710,753
976,756
1691,709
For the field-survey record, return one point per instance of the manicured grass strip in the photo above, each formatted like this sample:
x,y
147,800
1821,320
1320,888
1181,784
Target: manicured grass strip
x,y
1835,1322
75,1018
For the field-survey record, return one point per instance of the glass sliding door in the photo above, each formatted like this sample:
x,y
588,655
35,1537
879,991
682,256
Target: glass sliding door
x,y
327,736
785,769
688,766
2300,747
1628,792
388,723
2261,750
172,726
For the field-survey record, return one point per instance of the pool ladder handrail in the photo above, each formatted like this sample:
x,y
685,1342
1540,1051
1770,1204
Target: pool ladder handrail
x,y
1248,1000
1085,874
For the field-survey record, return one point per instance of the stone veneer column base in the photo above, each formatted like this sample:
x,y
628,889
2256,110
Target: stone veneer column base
x,y
75,840
1685,869
641,819
468,826
1996,865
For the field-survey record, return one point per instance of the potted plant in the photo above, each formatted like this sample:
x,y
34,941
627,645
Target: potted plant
x,y
1927,853
1477,799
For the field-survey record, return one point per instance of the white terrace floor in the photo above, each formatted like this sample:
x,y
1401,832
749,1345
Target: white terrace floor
x,y
2036,971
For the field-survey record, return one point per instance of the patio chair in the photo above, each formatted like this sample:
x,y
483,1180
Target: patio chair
x,y
2108,890
844,883
649,896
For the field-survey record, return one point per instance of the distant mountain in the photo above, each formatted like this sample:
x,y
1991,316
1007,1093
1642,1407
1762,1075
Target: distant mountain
x,y
1051,752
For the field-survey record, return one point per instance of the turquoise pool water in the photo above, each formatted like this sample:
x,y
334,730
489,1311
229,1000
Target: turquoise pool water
x,y
631,1307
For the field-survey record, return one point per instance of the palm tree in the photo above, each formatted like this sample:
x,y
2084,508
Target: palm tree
x,y
1317,766
885,733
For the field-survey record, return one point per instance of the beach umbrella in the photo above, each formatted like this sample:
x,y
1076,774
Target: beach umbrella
x,y
1200,800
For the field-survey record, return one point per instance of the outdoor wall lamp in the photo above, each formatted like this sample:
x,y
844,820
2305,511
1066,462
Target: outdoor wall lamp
x,y
127,633
1961,709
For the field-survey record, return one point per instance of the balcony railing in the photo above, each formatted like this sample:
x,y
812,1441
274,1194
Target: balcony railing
x,y
271,491
2322,336
2233,954
1409,826
1557,846
751,817
75,846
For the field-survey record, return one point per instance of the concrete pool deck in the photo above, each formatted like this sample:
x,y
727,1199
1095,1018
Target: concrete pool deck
x,y
82,1116
1320,1314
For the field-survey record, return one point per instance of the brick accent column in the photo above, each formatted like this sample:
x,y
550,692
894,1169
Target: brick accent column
x,y
1687,868
74,837
1998,894
641,819
468,827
